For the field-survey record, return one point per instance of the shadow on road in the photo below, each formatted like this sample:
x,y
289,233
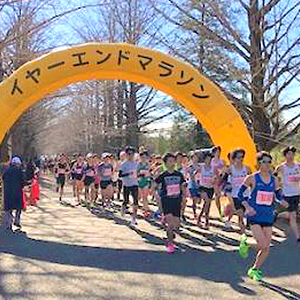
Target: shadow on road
x,y
212,266
282,291
216,265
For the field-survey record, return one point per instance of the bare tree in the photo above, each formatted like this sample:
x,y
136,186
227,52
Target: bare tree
x,y
264,47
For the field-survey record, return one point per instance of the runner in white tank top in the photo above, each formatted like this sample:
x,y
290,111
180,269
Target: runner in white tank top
x,y
207,182
238,173
289,173
220,165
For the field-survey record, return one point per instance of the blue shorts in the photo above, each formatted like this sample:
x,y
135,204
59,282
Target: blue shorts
x,y
194,193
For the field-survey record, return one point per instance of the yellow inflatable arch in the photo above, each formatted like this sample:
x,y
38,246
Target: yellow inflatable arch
x,y
66,65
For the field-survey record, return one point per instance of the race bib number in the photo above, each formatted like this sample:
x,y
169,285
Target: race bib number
x,y
107,172
293,179
264,198
173,190
144,172
61,171
90,174
133,175
78,171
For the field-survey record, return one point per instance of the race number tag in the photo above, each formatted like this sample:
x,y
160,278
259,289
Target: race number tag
x,y
144,172
293,179
90,174
133,175
264,198
173,190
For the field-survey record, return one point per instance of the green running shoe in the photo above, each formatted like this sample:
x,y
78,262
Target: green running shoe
x,y
244,247
255,274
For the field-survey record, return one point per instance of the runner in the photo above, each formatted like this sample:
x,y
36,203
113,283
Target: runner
x,y
78,175
143,170
289,172
219,165
157,169
72,174
238,172
208,176
193,183
61,172
259,209
115,176
172,186
105,171
89,173
96,164
120,181
128,173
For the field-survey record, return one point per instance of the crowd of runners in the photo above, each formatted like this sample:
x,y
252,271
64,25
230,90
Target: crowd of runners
x,y
199,177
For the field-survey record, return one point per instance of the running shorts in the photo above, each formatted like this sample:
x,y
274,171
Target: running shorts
x,y
171,206
209,191
262,224
293,202
238,204
89,180
134,192
61,180
143,183
78,176
194,193
105,183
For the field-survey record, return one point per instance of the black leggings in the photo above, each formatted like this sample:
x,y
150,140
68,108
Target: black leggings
x,y
134,191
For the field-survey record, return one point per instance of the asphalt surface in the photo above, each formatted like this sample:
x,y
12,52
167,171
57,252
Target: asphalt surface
x,y
68,252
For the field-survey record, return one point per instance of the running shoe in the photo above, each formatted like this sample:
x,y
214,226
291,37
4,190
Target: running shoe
x,y
244,247
228,225
123,211
133,222
183,220
255,274
18,225
170,249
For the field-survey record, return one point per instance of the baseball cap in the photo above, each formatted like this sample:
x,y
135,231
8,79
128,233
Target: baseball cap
x,y
16,161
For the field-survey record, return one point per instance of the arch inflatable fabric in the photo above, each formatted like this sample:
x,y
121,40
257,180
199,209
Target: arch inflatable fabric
x,y
186,85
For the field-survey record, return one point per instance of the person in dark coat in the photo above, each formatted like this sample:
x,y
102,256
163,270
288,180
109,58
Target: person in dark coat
x,y
13,183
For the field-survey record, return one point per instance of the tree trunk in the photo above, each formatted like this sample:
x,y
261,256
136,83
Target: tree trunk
x,y
132,134
260,120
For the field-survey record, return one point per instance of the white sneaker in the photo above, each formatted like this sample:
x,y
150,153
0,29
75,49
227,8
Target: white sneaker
x,y
123,211
228,225
133,222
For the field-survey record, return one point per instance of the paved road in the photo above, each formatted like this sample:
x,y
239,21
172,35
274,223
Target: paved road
x,y
68,252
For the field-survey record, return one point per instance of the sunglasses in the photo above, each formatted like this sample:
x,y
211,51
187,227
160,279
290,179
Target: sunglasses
x,y
265,161
240,156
